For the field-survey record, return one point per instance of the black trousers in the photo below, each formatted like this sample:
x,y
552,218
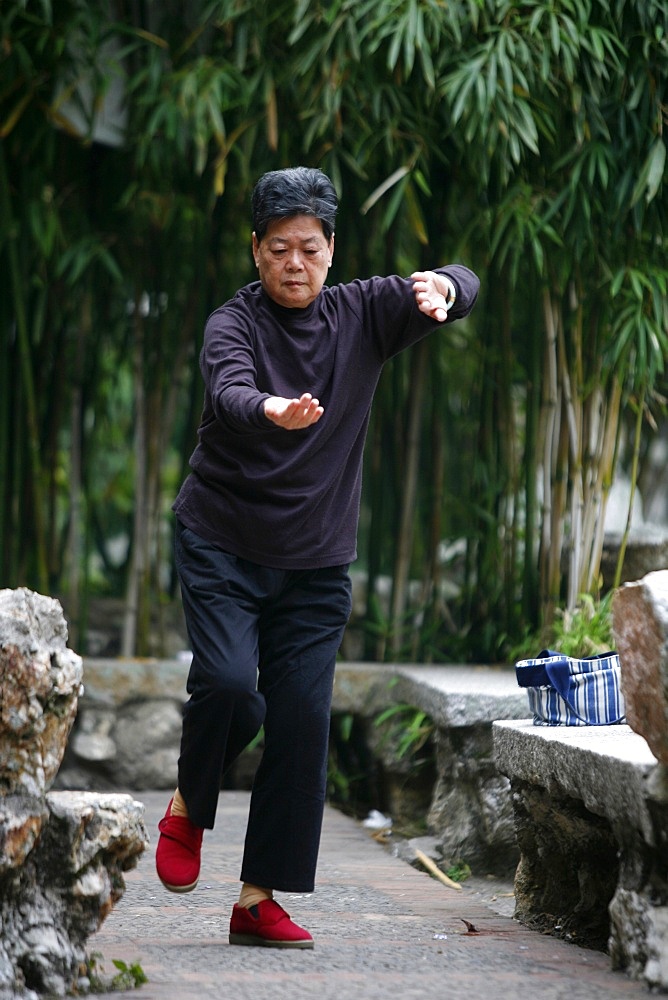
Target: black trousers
x,y
264,644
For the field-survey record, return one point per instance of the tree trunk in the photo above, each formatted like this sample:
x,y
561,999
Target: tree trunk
x,y
410,477
550,545
137,565
36,514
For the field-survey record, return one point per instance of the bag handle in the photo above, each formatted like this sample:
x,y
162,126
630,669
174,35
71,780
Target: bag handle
x,y
559,674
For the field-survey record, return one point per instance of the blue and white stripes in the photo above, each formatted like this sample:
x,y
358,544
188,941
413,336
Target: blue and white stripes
x,y
567,691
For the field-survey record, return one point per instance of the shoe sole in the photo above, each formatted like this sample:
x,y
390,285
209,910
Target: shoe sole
x,y
179,888
253,940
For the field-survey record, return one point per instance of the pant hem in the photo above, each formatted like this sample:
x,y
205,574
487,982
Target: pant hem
x,y
267,882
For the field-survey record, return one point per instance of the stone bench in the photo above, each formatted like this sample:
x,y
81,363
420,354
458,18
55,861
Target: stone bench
x,y
128,730
591,804
464,800
591,817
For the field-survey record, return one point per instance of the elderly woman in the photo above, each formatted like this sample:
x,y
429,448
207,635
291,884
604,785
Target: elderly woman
x,y
267,527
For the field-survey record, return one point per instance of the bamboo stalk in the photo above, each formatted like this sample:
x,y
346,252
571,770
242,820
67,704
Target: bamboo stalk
x,y
634,477
27,381
605,469
136,563
550,415
573,465
435,870
412,457
532,449
593,420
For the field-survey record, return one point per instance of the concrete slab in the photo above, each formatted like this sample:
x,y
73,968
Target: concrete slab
x,y
462,695
606,767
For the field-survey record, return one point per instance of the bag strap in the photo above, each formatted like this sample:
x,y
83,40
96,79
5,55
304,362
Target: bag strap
x,y
559,676
532,673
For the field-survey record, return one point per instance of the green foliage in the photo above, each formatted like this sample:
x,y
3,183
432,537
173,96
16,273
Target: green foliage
x,y
525,140
128,977
407,728
257,740
459,871
348,770
640,326
584,631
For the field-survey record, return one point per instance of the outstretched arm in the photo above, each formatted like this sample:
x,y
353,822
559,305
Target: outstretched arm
x,y
434,294
293,414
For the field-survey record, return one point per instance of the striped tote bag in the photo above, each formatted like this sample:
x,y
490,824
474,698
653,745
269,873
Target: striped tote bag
x,y
567,691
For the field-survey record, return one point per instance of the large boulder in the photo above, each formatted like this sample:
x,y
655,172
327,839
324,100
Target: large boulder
x,y
62,854
40,681
640,626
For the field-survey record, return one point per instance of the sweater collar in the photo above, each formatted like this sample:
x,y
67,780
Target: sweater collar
x,y
286,314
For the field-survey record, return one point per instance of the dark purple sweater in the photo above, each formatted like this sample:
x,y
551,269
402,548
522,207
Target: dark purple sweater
x,y
291,499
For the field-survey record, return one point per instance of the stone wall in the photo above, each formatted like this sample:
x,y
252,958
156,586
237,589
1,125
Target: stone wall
x,y
128,730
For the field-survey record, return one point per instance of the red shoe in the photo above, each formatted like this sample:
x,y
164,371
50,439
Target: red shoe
x,y
267,925
177,858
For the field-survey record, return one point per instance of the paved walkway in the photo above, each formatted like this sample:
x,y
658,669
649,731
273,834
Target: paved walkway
x,y
382,929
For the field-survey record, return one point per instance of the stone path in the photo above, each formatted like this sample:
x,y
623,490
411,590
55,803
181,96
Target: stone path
x,y
382,929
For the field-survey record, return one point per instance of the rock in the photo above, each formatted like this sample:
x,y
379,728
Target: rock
x,y
471,806
137,746
62,854
21,822
638,939
128,730
640,627
40,679
406,849
57,890
148,737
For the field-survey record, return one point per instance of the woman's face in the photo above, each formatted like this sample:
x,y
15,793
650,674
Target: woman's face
x,y
293,258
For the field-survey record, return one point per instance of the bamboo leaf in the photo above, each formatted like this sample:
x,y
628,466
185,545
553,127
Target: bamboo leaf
x,y
656,168
393,51
427,67
388,183
393,205
636,280
149,36
15,114
651,173
415,216
617,283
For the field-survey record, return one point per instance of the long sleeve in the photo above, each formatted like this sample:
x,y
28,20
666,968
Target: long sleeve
x,y
291,499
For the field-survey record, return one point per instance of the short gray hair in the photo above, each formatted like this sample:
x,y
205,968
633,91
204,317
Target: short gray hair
x,y
281,194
